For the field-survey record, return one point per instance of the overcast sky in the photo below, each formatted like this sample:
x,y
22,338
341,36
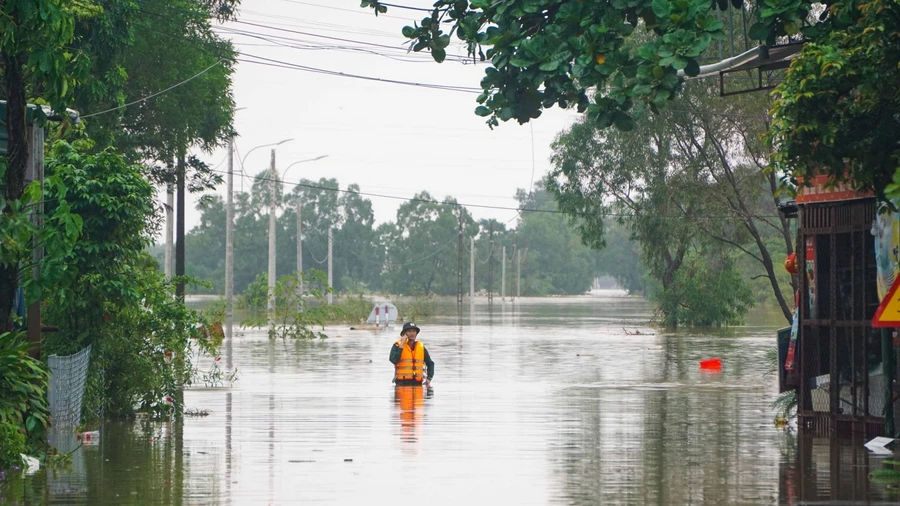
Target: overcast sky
x,y
389,138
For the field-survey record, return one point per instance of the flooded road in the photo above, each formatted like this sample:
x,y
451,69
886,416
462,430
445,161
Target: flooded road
x,y
540,402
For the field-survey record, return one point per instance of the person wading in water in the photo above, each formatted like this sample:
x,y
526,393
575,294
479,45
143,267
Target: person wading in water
x,y
412,363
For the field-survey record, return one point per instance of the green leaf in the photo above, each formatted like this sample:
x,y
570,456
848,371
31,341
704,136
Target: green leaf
x,y
661,8
670,81
482,111
641,90
693,68
410,32
759,31
439,54
518,61
442,42
647,52
624,122
811,31
550,66
660,98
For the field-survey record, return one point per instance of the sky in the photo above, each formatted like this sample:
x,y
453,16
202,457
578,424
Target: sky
x,y
390,139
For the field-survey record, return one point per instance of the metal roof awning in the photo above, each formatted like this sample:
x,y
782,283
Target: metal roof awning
x,y
29,118
763,59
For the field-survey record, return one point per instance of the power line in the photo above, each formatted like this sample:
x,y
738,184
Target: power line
x,y
313,256
329,27
387,259
309,46
407,7
531,184
158,93
292,66
269,62
485,206
355,11
414,199
435,252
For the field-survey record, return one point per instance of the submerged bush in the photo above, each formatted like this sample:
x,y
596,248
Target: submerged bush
x,y
12,445
23,389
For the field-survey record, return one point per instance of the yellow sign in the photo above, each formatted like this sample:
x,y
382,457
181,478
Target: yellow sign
x,y
888,313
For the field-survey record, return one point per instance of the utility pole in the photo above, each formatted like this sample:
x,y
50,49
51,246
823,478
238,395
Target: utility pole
x,y
503,275
170,231
518,272
270,306
491,268
472,271
179,229
459,263
330,265
35,140
229,240
299,247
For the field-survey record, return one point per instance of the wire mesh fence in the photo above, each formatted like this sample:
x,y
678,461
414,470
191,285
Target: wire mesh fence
x,y
67,377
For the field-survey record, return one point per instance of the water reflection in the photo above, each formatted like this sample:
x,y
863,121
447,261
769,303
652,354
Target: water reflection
x,y
410,404
539,402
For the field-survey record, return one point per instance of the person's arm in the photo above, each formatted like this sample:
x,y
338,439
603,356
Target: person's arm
x,y
429,364
396,351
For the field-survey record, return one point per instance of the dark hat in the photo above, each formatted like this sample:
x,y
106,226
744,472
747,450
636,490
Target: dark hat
x,y
409,325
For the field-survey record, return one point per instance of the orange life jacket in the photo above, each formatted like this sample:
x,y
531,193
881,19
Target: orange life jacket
x,y
412,363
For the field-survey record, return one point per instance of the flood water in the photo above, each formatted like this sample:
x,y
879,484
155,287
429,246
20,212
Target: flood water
x,y
543,402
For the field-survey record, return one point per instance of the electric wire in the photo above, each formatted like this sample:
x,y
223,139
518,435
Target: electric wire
x,y
483,206
309,250
153,95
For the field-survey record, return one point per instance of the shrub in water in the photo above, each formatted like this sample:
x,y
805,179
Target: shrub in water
x,y
12,446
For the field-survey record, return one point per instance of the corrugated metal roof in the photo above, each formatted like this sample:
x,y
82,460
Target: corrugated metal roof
x,y
4,134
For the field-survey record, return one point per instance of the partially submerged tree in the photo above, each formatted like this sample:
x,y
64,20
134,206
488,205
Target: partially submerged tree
x,y
686,181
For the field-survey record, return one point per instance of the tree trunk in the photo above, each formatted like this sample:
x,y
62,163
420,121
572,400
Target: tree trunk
x,y
17,158
179,227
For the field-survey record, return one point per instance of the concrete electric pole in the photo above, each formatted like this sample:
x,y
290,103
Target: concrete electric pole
x,y
273,175
229,241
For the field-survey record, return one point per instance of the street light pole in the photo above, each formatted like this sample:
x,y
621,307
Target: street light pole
x,y
229,241
273,175
229,226
279,143
299,224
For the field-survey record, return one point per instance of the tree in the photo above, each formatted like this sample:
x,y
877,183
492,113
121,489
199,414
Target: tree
x,y
688,181
357,257
173,44
422,248
35,60
555,260
114,298
547,53
620,258
837,111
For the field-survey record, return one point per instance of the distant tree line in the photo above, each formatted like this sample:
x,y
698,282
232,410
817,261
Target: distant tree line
x,y
417,252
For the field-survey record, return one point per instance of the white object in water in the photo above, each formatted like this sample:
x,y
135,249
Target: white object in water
x,y
386,313
88,438
879,445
